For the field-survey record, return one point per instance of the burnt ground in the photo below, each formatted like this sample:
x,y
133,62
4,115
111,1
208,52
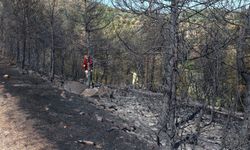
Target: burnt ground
x,y
34,115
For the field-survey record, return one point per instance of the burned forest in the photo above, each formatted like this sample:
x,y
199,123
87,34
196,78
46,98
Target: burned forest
x,y
125,74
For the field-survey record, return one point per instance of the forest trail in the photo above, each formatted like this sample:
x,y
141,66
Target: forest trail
x,y
36,116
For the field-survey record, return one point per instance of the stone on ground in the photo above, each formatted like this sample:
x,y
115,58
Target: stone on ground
x,y
90,92
74,87
6,76
104,91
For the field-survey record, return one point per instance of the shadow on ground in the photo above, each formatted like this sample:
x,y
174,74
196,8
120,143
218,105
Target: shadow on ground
x,y
64,118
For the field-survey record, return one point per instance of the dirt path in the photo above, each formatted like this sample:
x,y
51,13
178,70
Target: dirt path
x,y
35,116
16,130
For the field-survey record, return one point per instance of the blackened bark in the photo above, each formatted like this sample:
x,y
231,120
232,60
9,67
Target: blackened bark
x,y
169,116
243,71
152,74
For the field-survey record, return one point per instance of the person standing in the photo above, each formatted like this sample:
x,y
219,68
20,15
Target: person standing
x,y
90,70
85,65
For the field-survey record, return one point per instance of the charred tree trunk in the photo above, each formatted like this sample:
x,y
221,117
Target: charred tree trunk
x,y
29,53
63,62
37,56
244,72
44,60
52,54
24,43
146,72
74,69
24,26
169,116
18,51
37,61
105,68
151,87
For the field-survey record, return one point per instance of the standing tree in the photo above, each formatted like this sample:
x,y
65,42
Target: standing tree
x,y
243,68
53,5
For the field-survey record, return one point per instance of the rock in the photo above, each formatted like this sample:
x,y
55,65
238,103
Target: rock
x,y
111,110
102,106
104,91
94,102
86,142
58,83
82,113
6,76
24,72
63,95
7,95
112,129
53,114
154,129
128,128
81,81
90,92
6,133
78,88
74,87
109,120
151,124
46,108
77,110
22,85
98,146
31,72
113,107
11,63
98,118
